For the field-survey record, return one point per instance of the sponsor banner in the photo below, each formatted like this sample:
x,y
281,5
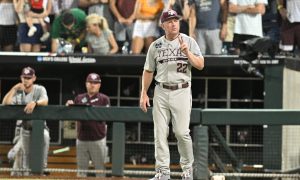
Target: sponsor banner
x,y
67,59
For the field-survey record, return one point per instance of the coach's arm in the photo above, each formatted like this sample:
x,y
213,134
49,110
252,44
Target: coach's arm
x,y
146,82
8,98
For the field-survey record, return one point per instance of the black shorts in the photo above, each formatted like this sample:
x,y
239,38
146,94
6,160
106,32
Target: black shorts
x,y
8,35
238,38
290,34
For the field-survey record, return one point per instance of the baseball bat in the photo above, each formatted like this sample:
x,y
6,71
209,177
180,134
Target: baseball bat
x,y
61,150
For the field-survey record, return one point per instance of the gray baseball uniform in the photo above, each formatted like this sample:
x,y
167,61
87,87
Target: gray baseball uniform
x,y
21,98
172,98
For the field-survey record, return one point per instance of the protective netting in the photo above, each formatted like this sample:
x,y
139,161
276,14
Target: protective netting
x,y
151,173
107,172
258,175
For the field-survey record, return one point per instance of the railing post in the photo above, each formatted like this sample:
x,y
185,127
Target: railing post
x,y
36,161
118,149
273,99
201,152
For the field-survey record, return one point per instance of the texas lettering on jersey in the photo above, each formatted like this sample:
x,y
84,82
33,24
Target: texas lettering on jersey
x,y
166,55
172,57
170,63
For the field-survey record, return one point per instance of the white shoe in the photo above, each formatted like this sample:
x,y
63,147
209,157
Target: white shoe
x,y
161,176
45,36
11,154
187,174
31,31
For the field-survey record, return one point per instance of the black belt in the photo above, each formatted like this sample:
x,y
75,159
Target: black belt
x,y
175,87
28,128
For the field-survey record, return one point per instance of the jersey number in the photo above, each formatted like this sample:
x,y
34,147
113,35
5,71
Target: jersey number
x,y
181,67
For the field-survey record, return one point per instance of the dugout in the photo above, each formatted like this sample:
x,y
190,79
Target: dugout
x,y
225,83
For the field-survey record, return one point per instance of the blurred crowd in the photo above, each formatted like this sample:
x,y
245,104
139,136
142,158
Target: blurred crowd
x,y
130,26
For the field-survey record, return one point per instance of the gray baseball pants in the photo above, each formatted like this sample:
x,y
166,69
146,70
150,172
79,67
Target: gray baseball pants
x,y
22,157
174,105
90,150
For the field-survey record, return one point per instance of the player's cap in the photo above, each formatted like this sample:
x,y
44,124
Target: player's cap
x,y
28,72
93,77
169,14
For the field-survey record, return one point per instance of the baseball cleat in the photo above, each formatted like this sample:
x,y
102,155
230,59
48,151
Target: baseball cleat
x,y
161,176
187,174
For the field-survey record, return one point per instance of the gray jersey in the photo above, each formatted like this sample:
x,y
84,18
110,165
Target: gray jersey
x,y
21,98
38,93
171,64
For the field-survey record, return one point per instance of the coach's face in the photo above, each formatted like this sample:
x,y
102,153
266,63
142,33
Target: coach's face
x,y
92,87
28,81
171,27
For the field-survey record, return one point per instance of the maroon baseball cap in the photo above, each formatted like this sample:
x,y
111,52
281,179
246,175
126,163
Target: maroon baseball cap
x,y
93,77
28,72
169,14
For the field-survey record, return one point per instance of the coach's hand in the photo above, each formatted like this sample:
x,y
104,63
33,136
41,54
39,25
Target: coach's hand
x,y
30,107
69,102
19,87
183,46
144,102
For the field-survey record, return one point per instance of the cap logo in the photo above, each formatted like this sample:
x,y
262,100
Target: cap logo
x,y
170,12
94,76
26,71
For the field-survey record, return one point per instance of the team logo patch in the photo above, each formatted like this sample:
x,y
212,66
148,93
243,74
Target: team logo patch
x,y
84,100
158,45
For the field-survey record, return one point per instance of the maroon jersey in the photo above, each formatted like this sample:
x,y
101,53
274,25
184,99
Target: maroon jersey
x,y
91,130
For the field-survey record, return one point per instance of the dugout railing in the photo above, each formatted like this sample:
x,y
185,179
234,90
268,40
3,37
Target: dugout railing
x,y
121,115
